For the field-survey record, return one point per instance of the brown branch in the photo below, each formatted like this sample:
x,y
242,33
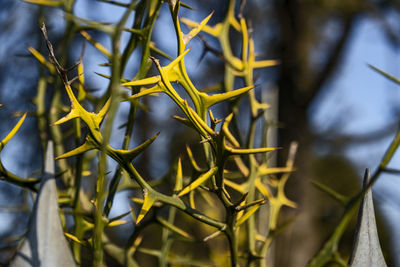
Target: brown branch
x,y
63,73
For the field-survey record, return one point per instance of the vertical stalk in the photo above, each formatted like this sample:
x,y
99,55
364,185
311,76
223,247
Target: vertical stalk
x,y
115,94
100,197
231,234
251,223
99,221
143,70
79,230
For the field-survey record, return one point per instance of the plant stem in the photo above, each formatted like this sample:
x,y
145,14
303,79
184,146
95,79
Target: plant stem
x,y
231,234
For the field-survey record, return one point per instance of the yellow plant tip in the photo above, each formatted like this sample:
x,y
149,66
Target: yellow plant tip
x,y
86,173
133,214
184,121
213,88
75,239
217,98
335,195
81,77
192,160
261,238
240,151
204,177
72,115
147,91
173,63
146,81
191,200
202,125
211,115
96,44
41,59
148,202
387,75
45,2
129,155
266,63
235,186
74,102
87,224
140,201
214,31
251,204
228,119
137,200
237,65
241,212
213,235
291,204
88,145
123,80
207,198
117,223
138,241
102,113
103,75
261,106
234,23
165,83
263,189
179,177
186,6
173,228
187,37
245,39
247,215
241,166
12,132
263,170
159,51
134,31
227,133
231,138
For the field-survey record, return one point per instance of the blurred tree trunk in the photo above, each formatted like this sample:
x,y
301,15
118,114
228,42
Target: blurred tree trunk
x,y
298,84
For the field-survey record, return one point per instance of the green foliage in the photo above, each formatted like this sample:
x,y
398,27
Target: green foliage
x,y
235,183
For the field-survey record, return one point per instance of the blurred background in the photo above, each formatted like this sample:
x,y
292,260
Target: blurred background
x,y
342,113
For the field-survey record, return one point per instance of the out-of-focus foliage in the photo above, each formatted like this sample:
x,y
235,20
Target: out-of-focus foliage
x,y
249,177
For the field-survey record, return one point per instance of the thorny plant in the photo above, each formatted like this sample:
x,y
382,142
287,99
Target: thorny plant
x,y
241,189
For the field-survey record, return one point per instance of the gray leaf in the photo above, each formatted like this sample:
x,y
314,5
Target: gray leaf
x,y
367,250
45,244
